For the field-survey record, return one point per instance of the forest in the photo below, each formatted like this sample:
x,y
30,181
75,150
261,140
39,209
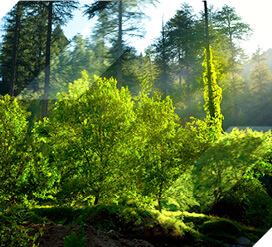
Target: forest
x,y
101,145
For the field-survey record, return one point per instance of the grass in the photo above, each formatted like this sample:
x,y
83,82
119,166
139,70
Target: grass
x,y
190,229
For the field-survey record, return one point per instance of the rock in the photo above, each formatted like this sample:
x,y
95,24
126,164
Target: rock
x,y
141,243
244,241
113,234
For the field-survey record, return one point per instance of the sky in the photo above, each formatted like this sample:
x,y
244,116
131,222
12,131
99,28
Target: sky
x,y
256,13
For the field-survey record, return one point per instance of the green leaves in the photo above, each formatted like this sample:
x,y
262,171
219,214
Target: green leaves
x,y
212,96
91,126
13,147
230,159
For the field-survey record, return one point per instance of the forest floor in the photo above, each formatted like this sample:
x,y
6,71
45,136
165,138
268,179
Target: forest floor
x,y
54,234
118,226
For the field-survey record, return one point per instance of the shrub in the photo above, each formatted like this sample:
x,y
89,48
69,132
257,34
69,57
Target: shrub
x,y
75,240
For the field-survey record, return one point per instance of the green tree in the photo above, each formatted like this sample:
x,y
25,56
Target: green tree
x,y
229,24
260,76
24,172
59,14
162,59
121,19
14,155
185,37
15,47
157,165
31,51
230,159
91,129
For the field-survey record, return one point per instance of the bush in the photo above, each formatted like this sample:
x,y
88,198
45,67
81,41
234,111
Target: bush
x,y
14,157
230,159
247,202
75,241
12,231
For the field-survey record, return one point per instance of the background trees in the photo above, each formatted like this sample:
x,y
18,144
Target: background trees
x,y
228,23
172,62
121,19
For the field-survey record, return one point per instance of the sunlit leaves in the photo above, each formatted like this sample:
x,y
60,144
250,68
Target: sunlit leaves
x,y
230,159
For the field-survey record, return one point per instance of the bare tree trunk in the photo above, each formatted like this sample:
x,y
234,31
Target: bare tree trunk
x,y
47,61
164,58
180,66
15,49
160,197
120,45
96,200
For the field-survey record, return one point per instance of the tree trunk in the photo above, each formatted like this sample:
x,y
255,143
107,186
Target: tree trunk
x,y
236,112
160,197
159,204
96,200
180,65
235,102
47,61
120,45
209,74
15,49
164,58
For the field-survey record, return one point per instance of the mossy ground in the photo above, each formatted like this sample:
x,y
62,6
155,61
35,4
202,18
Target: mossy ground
x,y
171,228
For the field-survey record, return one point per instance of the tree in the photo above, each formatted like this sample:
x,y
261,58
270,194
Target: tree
x,y
260,79
122,16
260,76
63,12
13,151
212,96
156,160
148,70
229,160
11,44
15,48
24,171
185,35
228,23
91,126
162,57
32,49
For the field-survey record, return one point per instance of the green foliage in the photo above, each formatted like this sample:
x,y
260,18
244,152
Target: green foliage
x,y
180,195
247,202
25,172
257,209
74,241
220,229
59,215
93,130
12,230
212,95
230,159
14,156
156,151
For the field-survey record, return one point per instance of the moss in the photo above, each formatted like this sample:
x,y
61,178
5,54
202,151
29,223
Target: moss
x,y
190,229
